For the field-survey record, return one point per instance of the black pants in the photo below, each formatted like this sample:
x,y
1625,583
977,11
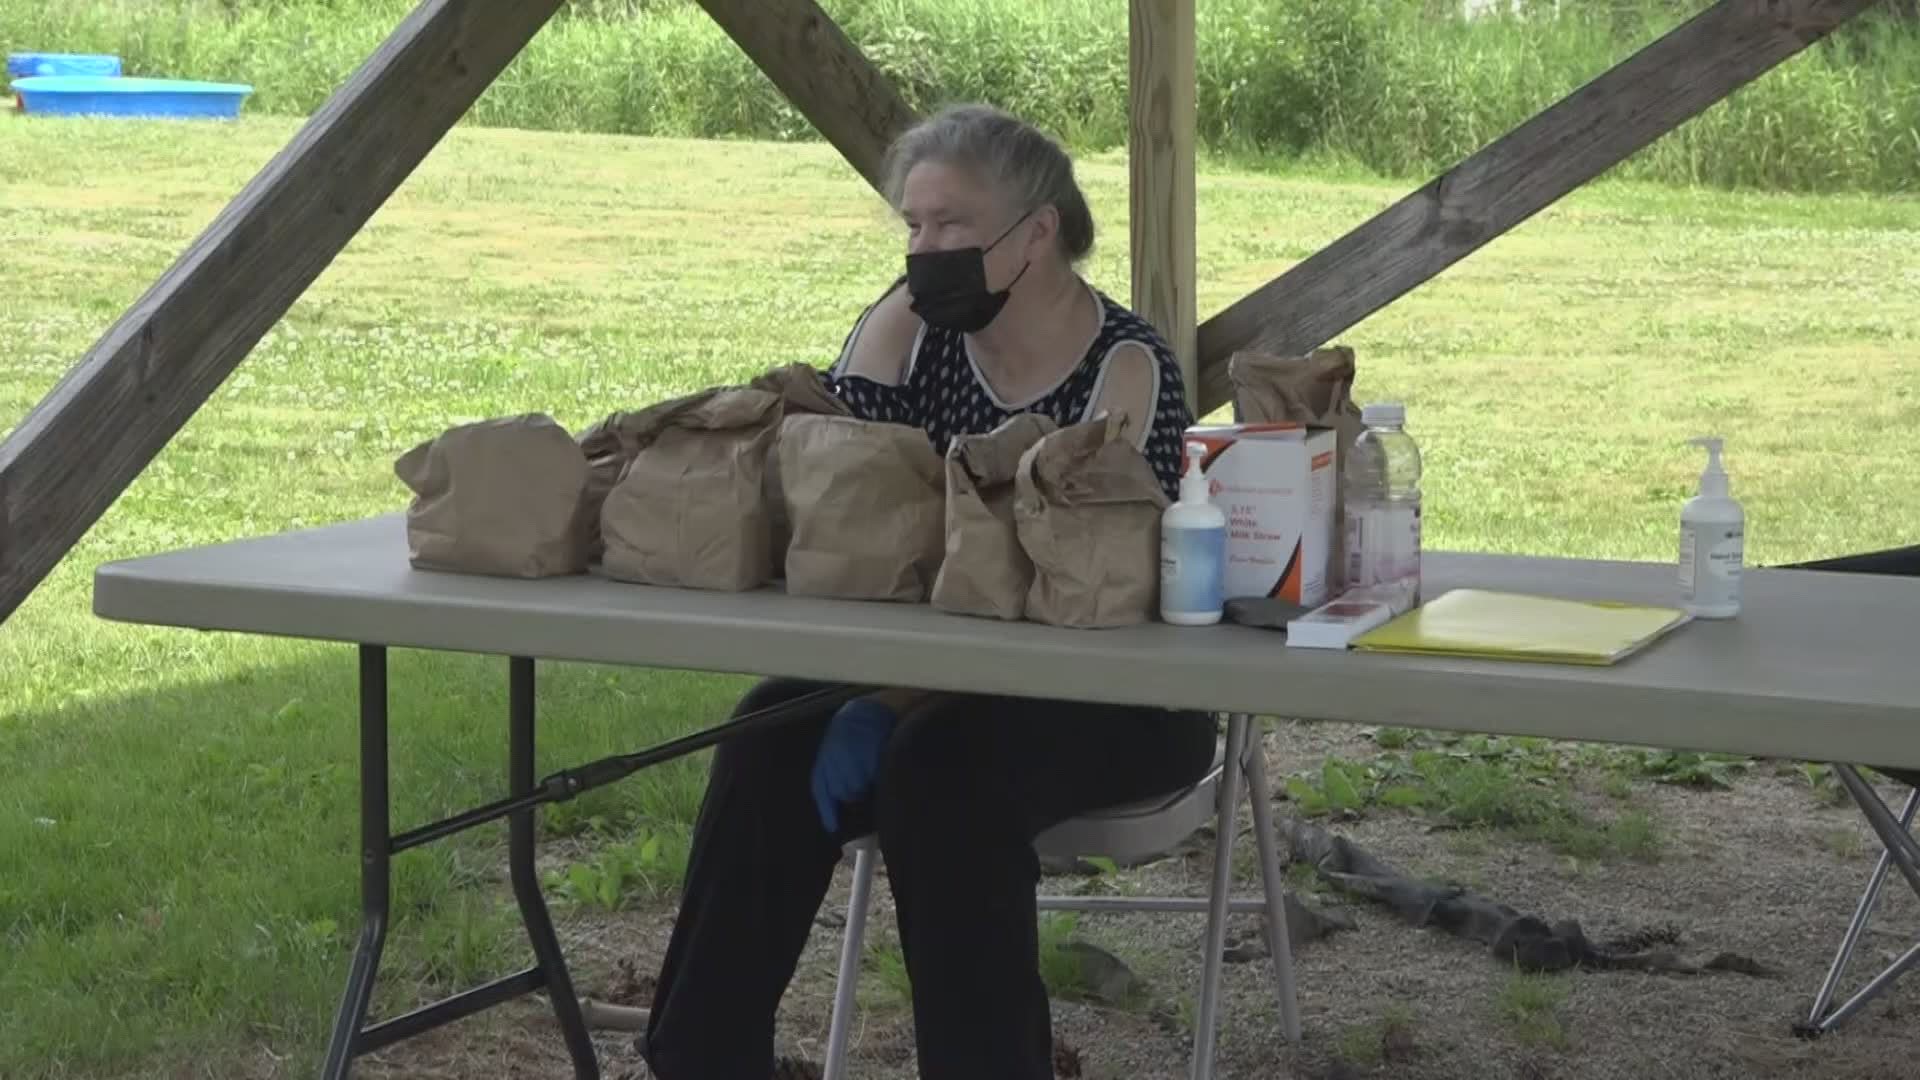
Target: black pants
x,y
965,785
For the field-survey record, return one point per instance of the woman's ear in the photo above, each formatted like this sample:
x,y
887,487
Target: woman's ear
x,y
1045,233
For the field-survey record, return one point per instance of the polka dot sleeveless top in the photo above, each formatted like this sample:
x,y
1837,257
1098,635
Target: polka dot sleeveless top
x,y
944,393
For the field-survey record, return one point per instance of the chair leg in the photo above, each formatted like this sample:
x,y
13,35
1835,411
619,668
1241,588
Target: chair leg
x,y
850,945
1216,938
1898,841
1819,1021
1868,992
1279,943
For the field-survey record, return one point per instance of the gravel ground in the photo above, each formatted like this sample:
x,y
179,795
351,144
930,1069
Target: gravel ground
x,y
1764,870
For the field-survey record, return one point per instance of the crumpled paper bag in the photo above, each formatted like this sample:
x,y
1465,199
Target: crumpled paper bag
x,y
690,508
612,443
803,392
1315,389
866,503
1087,509
508,496
985,571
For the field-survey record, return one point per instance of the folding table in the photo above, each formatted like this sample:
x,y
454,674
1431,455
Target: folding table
x,y
1819,667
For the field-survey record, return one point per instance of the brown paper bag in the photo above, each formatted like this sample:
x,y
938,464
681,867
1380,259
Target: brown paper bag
x,y
1087,507
506,496
612,443
690,510
803,389
803,392
866,503
1314,389
985,571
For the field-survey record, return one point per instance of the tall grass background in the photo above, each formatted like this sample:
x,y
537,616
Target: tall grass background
x,y
1395,87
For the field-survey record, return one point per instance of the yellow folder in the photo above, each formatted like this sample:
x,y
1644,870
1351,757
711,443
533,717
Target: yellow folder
x,y
1517,626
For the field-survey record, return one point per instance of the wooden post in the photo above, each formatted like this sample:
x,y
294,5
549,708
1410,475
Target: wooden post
x,y
830,81
1160,158
1589,131
93,433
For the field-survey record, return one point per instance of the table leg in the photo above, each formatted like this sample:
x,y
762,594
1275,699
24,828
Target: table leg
x,y
375,861
526,880
378,847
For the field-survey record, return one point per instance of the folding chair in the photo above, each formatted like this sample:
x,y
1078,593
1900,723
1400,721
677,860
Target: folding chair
x,y
1151,827
1896,834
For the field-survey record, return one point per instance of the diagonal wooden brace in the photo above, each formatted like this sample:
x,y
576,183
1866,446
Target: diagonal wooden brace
x,y
99,427
1583,135
830,81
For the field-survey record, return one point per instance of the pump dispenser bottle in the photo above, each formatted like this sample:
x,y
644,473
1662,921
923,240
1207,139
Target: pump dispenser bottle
x,y
1193,550
1712,542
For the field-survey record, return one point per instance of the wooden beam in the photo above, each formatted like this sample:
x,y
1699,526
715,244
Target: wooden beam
x,y
1586,133
1160,157
822,73
93,433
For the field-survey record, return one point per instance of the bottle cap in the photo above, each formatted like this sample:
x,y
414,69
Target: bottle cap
x,y
1713,479
1193,481
1383,412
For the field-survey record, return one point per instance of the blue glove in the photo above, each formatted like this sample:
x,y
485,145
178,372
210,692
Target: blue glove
x,y
849,757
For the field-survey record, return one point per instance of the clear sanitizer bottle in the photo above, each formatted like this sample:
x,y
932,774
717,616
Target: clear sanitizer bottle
x,y
1713,532
1193,550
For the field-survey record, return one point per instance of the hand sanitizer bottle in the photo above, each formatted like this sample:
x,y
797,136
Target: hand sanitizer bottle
x,y
1712,542
1193,550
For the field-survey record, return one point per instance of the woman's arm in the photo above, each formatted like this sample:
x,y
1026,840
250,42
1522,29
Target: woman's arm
x,y
881,343
1129,386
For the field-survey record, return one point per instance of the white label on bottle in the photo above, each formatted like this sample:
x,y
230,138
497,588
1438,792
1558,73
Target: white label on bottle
x,y
1383,544
1710,560
1724,558
1191,564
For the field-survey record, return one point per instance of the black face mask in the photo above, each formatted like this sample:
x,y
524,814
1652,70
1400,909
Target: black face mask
x,y
949,288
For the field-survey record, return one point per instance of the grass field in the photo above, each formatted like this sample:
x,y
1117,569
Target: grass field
x,y
177,826
1400,87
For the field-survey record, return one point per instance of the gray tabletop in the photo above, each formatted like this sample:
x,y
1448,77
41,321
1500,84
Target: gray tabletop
x,y
1819,666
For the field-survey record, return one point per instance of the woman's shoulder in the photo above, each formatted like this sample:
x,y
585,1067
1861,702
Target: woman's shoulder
x,y
1121,326
880,345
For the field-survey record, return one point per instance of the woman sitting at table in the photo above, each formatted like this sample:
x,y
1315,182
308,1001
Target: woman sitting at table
x,y
993,320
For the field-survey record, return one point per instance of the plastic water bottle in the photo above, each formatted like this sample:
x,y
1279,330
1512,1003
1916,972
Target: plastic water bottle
x,y
1382,480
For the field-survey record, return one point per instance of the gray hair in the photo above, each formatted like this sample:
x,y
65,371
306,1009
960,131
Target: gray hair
x,y
1022,163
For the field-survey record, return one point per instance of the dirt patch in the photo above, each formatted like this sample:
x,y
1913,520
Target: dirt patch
x,y
1765,869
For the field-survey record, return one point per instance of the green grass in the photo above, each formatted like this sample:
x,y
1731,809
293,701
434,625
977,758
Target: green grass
x,y
177,830
1848,844
1060,969
1529,1005
1521,786
1366,1044
1392,86
888,985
